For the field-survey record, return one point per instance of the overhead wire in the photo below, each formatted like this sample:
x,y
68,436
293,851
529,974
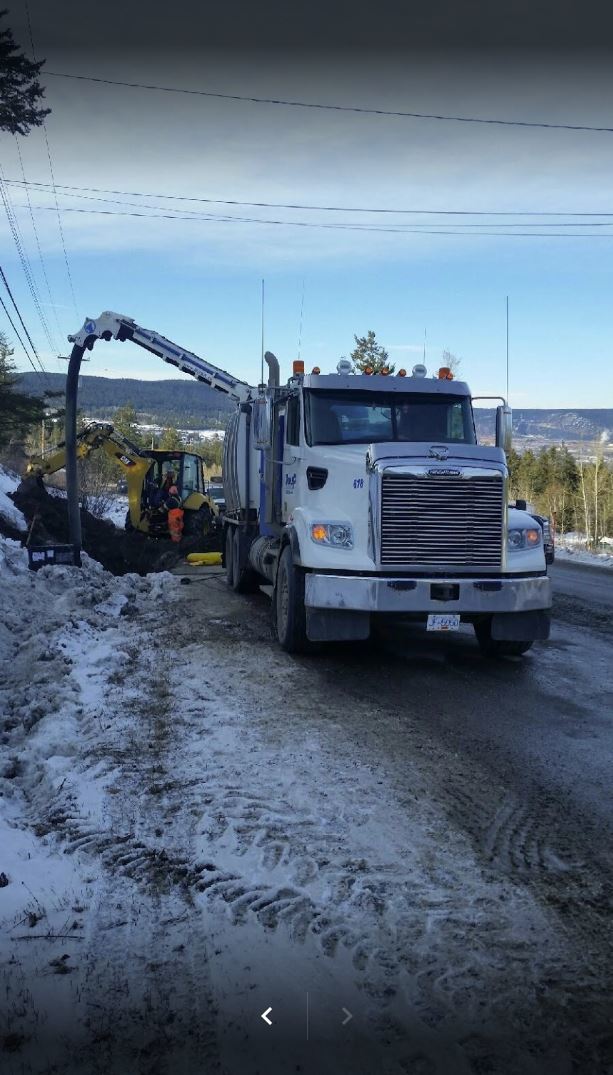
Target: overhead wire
x,y
51,171
399,227
333,107
41,369
23,256
16,331
401,230
60,187
43,267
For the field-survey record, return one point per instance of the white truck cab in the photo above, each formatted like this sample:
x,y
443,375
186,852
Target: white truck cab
x,y
371,496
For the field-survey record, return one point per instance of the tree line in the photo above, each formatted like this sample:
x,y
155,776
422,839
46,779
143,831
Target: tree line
x,y
577,495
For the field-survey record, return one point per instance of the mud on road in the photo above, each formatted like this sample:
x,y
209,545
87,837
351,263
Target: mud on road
x,y
403,829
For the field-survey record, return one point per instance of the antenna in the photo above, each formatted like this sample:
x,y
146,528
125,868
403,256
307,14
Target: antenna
x,y
300,329
262,348
425,336
507,348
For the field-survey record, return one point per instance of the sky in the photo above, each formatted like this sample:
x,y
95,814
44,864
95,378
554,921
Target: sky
x,y
198,279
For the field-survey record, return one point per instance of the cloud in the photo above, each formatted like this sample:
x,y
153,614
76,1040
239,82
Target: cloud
x,y
230,149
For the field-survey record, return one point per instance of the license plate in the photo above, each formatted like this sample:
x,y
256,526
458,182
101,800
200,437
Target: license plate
x,y
441,622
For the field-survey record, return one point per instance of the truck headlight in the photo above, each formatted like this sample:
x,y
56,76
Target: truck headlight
x,y
339,535
529,538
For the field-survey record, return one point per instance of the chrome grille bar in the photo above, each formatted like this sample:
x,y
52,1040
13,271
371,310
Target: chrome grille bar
x,y
453,520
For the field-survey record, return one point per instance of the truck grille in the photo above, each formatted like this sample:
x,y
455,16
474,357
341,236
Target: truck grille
x,y
447,520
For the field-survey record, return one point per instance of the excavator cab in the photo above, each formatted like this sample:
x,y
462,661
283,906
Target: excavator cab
x,y
185,468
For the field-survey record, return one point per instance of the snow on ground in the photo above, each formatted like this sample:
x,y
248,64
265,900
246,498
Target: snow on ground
x,y
117,510
573,546
187,842
8,484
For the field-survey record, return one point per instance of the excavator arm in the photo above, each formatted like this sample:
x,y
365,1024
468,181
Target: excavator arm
x,y
113,326
93,436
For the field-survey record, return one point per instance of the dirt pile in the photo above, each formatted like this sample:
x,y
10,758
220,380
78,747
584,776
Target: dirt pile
x,y
117,550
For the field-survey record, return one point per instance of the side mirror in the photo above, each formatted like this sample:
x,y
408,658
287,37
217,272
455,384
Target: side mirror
x,y
261,422
504,428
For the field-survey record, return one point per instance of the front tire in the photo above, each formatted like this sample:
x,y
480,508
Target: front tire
x,y
289,610
498,647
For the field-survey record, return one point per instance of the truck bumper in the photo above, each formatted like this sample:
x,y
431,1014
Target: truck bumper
x,y
403,595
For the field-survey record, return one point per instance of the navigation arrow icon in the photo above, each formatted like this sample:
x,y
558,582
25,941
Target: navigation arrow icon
x,y
348,1017
265,1015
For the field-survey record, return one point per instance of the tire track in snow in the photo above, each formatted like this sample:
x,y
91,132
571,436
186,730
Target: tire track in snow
x,y
194,804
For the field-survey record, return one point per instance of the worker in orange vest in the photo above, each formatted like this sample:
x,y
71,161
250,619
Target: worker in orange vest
x,y
172,503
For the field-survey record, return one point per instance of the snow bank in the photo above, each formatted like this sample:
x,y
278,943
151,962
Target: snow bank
x,y
63,632
573,546
8,483
580,555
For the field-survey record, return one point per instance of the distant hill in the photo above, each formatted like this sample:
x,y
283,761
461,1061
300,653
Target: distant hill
x,y
182,404
552,426
191,405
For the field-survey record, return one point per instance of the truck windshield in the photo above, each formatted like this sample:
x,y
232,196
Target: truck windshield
x,y
367,417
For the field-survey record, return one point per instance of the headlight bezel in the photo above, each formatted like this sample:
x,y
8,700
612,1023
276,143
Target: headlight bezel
x,y
333,534
520,538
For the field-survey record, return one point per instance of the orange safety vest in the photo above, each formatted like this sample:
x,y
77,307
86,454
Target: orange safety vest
x,y
175,523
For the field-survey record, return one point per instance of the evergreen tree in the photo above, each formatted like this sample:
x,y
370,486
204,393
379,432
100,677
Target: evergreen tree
x,y
171,440
17,412
20,90
125,421
368,354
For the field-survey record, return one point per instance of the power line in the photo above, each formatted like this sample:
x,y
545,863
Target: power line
x,y
400,227
23,256
332,107
38,246
404,230
61,187
25,328
15,330
57,207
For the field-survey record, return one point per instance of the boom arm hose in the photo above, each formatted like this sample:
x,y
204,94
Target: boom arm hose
x,y
72,474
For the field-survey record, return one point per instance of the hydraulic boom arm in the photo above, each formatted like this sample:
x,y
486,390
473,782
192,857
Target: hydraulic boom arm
x,y
118,327
95,435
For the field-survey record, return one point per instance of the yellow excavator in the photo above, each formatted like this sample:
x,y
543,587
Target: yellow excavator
x,y
145,471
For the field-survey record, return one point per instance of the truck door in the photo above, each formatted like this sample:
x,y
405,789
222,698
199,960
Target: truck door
x,y
290,456
278,442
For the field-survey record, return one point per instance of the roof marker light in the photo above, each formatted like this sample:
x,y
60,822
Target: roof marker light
x,y
316,369
367,371
344,366
419,370
445,374
402,373
298,367
385,372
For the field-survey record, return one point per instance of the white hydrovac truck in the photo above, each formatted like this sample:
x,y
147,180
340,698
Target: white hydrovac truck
x,y
355,496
